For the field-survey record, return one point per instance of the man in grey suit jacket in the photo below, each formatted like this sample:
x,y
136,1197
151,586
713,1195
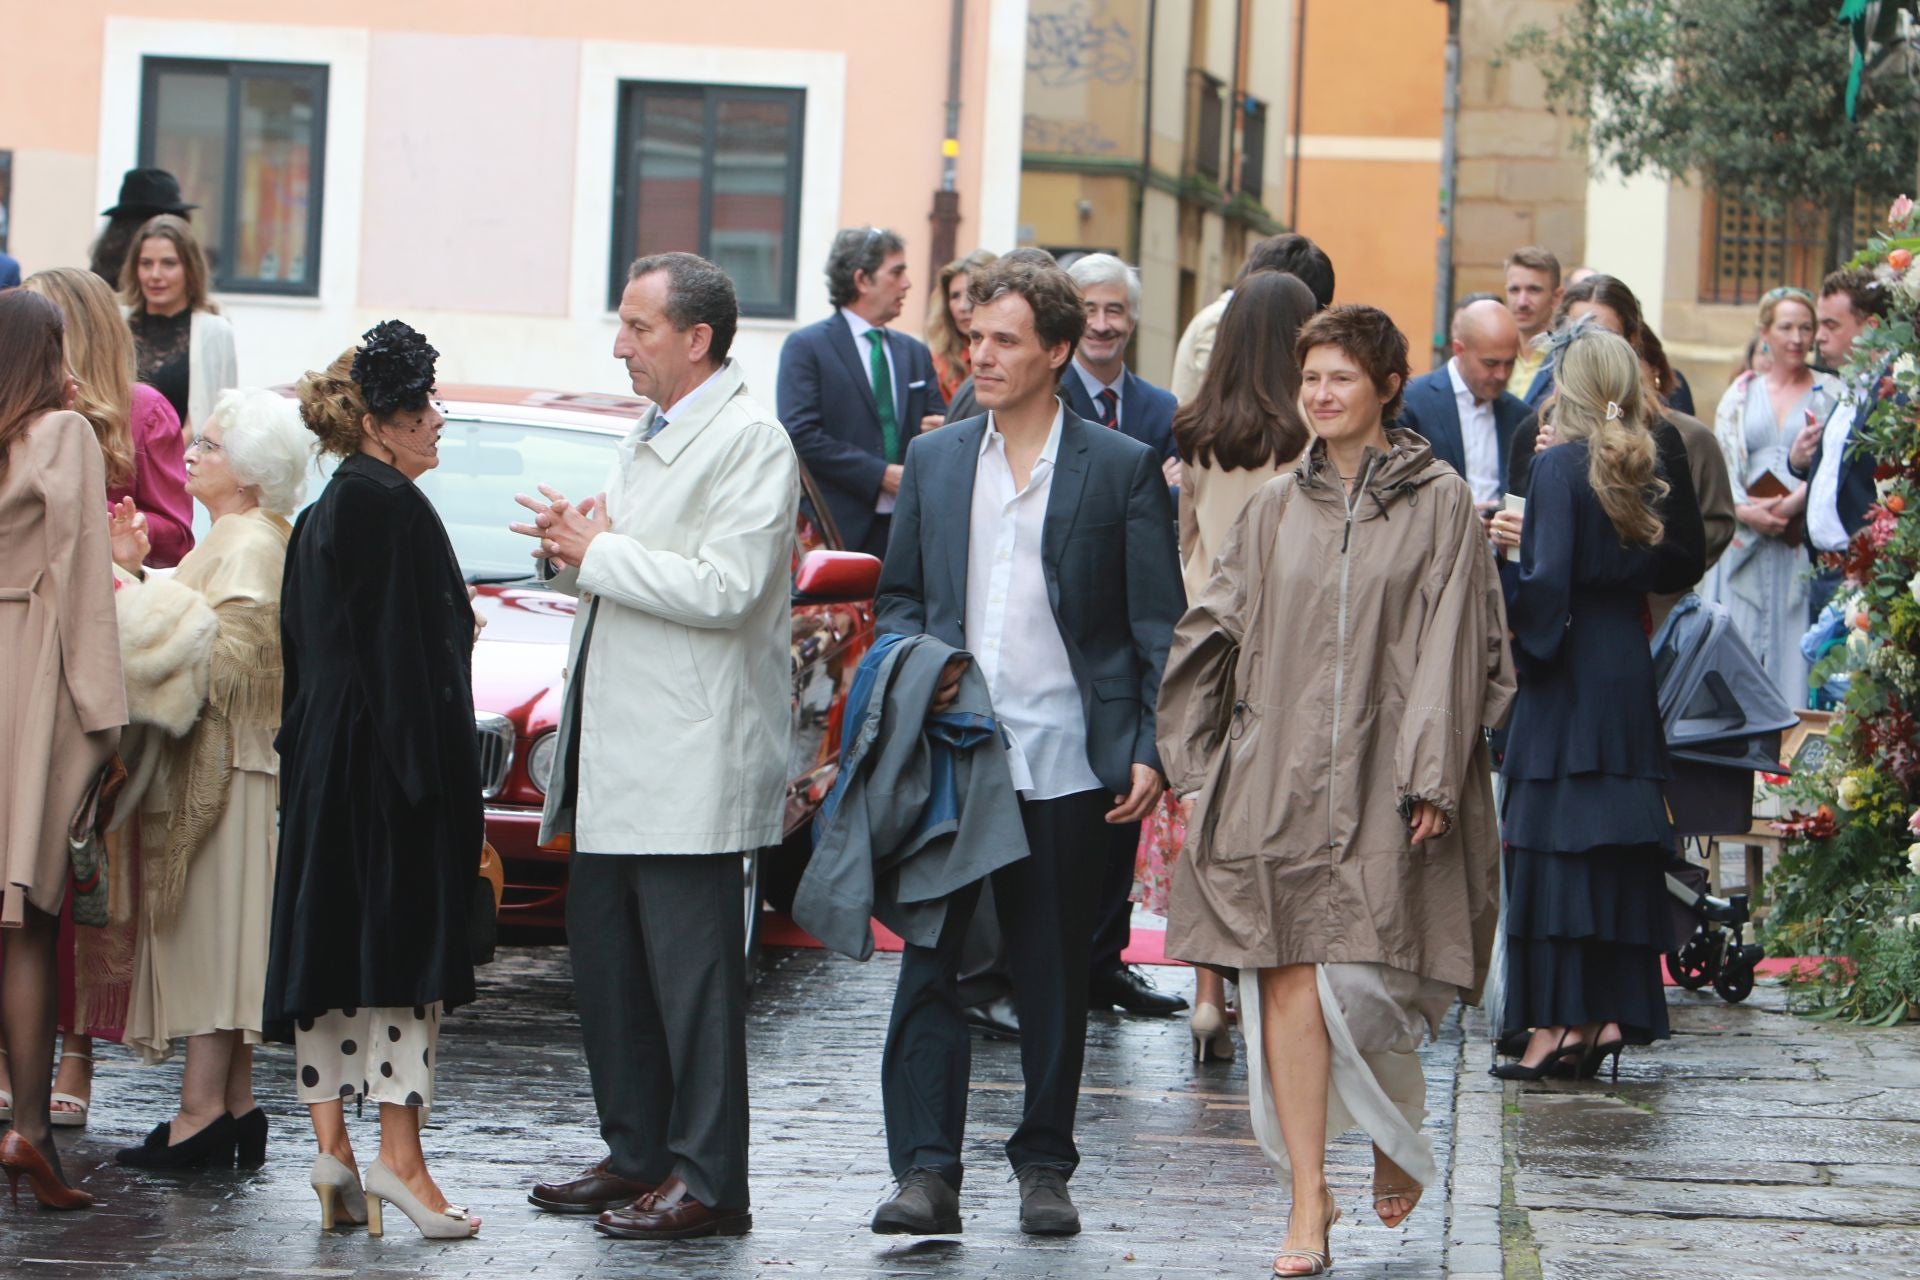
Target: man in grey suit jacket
x,y
853,393
1042,545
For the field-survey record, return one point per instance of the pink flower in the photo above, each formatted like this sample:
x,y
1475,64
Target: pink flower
x,y
1901,211
1913,823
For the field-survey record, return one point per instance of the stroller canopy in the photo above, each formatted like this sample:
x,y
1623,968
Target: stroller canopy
x,y
1717,703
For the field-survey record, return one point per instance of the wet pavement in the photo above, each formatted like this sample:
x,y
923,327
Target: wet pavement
x,y
1170,1182
1754,1144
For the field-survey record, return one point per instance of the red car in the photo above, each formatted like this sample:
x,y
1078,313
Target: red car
x,y
502,441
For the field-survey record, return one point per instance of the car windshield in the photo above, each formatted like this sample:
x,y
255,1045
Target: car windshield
x,y
482,465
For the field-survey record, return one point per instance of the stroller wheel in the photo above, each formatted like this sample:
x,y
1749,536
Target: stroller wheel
x,y
1735,982
1696,964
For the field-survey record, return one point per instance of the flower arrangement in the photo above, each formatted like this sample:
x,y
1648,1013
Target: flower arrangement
x,y
1848,886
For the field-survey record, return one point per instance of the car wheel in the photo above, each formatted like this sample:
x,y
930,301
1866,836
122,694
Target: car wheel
x,y
750,895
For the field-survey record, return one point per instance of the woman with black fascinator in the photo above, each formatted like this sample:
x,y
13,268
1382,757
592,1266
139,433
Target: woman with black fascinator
x,y
380,825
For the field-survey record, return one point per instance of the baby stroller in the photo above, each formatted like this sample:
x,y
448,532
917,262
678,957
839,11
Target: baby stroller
x,y
1723,720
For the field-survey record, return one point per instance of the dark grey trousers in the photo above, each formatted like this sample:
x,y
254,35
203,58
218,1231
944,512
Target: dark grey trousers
x,y
659,968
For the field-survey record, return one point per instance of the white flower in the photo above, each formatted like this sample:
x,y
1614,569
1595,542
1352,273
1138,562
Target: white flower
x,y
1911,283
1849,793
1859,645
1913,587
1913,857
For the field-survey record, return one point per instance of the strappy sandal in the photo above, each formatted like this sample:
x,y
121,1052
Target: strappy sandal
x,y
1387,1194
1319,1261
76,1118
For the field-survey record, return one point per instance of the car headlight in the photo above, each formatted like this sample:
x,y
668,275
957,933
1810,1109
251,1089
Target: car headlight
x,y
540,760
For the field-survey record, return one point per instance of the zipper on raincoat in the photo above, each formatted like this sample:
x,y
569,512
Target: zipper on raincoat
x,y
1340,643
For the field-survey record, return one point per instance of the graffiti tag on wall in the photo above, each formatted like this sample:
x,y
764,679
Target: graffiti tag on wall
x,y
1079,43
1067,137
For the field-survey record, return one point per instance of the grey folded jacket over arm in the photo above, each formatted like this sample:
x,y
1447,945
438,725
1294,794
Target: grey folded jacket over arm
x,y
873,857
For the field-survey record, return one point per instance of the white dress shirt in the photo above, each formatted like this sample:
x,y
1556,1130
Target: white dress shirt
x,y
1477,437
1824,526
1094,387
1010,627
680,406
883,505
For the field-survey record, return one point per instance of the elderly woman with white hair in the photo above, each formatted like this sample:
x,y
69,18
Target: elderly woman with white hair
x,y
209,829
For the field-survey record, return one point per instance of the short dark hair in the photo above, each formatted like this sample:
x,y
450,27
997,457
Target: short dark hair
x,y
1296,255
854,250
698,292
1058,315
1370,339
1865,294
1534,258
1032,254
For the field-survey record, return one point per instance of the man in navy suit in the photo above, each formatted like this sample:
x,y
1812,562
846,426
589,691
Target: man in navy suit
x,y
1838,472
1099,387
853,393
1463,408
1043,546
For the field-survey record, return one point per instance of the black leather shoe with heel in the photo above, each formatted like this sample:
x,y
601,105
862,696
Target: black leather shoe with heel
x,y
213,1145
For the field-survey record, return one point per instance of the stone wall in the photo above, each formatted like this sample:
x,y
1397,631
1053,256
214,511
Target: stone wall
x,y
1520,181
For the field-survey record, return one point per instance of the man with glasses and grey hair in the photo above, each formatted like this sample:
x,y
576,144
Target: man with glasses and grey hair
x,y
853,393
1099,387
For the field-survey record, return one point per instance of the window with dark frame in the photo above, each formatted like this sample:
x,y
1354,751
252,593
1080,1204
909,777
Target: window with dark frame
x,y
712,170
1208,115
1744,253
247,141
1253,146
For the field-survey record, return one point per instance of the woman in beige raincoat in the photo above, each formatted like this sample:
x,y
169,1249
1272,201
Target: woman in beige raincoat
x,y
1323,707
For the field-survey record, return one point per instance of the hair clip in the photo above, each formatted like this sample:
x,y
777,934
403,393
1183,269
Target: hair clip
x,y
1558,340
1614,413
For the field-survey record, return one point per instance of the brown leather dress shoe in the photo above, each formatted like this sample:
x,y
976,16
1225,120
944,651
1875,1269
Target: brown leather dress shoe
x,y
595,1191
671,1213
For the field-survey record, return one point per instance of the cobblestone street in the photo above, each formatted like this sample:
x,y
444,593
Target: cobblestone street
x,y
1170,1183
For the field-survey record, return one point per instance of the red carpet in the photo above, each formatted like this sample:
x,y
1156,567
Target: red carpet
x,y
777,930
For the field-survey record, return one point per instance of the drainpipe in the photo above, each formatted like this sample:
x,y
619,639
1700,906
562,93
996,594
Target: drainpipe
x,y
1146,142
946,201
1299,97
1449,163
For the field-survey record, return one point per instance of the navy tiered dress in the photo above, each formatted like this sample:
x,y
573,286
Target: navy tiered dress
x,y
1585,820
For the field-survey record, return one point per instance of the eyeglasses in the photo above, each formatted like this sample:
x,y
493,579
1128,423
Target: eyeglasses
x,y
205,444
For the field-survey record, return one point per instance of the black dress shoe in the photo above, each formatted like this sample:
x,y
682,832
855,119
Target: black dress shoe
x,y
1128,989
997,1018
212,1146
923,1206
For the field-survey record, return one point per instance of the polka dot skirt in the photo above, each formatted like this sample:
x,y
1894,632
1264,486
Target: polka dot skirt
x,y
385,1054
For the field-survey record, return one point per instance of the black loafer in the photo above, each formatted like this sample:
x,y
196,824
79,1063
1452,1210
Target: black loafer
x,y
997,1019
1128,989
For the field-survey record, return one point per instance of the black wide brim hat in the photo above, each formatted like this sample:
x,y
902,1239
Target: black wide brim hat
x,y
149,191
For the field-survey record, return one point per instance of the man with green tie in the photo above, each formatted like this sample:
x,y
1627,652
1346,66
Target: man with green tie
x,y
853,392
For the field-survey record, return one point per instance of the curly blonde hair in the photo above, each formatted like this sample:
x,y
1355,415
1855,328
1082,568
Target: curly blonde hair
x,y
332,405
1600,398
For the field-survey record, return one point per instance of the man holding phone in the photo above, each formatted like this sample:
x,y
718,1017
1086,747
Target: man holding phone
x,y
1042,545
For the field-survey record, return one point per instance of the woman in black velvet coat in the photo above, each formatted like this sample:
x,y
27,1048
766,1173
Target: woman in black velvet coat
x,y
381,823
1585,822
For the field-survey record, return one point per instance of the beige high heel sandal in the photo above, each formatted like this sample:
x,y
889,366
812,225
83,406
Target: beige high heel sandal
x,y
77,1118
1319,1261
1211,1040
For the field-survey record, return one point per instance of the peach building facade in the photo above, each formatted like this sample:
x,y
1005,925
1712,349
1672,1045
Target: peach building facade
x,y
484,170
